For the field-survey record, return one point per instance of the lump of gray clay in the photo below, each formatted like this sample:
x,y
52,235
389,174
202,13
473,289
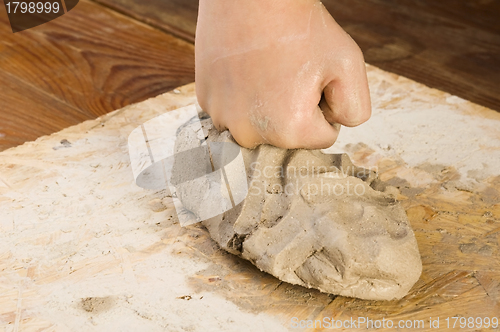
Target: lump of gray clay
x,y
318,221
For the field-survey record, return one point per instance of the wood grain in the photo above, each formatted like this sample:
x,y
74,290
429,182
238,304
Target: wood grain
x,y
449,45
177,17
27,112
88,62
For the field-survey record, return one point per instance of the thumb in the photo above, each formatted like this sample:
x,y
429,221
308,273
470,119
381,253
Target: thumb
x,y
346,99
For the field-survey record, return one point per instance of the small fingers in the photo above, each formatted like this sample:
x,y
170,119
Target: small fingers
x,y
305,130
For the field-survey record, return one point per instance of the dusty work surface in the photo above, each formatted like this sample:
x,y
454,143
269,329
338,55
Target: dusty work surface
x,y
84,249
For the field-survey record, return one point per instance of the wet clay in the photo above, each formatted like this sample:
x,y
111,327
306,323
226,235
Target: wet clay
x,y
318,221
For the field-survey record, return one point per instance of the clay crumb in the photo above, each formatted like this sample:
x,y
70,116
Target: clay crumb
x,y
64,144
214,279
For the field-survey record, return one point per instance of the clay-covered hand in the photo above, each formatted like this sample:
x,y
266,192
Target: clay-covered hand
x,y
278,72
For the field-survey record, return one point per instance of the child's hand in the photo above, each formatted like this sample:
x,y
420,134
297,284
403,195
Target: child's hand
x,y
262,67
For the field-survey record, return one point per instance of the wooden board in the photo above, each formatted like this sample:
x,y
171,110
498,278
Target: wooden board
x,y
177,17
84,64
454,47
83,248
449,45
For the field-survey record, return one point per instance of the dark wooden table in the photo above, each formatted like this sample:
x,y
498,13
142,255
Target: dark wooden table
x,y
106,54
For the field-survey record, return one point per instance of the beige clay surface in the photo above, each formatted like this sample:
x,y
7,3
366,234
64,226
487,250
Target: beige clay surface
x,y
313,219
